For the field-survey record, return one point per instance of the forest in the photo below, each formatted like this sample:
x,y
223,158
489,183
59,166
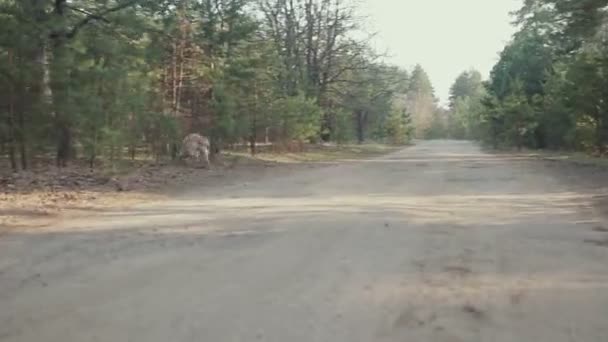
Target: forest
x,y
102,81
549,88
107,80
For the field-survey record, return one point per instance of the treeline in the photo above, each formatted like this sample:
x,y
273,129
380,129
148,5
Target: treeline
x,y
113,79
550,87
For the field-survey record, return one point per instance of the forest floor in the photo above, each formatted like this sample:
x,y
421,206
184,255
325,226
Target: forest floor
x,y
43,195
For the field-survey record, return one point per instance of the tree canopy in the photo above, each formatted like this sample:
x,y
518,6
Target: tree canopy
x,y
105,80
548,89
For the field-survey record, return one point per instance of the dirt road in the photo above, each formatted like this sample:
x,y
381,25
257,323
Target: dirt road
x,y
439,242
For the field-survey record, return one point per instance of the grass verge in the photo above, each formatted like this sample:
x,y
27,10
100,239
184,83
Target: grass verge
x,y
319,153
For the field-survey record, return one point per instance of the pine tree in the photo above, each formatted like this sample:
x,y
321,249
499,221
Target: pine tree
x,y
421,101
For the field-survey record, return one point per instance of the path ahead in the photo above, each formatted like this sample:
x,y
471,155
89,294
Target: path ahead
x,y
439,242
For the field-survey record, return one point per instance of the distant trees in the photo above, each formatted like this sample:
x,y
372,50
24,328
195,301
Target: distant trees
x,y
399,127
467,84
464,106
421,102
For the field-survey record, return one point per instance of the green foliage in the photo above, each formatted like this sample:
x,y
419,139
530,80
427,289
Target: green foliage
x,y
297,118
467,85
421,103
588,98
163,133
438,125
526,59
511,121
548,89
557,122
98,77
459,118
399,128
227,126
465,106
376,91
519,118
344,131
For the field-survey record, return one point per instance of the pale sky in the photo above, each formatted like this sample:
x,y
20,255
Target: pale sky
x,y
445,36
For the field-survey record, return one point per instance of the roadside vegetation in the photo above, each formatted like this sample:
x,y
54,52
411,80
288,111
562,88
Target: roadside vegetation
x,y
548,89
99,94
101,82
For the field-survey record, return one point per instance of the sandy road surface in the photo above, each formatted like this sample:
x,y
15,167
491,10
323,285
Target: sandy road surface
x,y
439,242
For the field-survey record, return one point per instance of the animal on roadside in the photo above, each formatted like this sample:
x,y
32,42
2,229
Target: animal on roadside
x,y
196,147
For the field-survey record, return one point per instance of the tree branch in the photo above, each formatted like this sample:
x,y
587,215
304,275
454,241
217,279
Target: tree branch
x,y
98,17
87,13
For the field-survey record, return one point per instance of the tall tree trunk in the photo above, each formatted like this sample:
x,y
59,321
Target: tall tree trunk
x,y
93,153
180,64
22,141
45,68
599,132
11,152
494,133
10,120
47,97
179,89
60,89
64,144
21,136
360,126
252,143
253,137
174,79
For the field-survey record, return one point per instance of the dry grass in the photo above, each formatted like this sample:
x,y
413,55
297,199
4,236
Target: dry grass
x,y
578,158
318,153
568,157
41,195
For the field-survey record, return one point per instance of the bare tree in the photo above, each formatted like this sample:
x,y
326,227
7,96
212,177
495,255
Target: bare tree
x,y
315,41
